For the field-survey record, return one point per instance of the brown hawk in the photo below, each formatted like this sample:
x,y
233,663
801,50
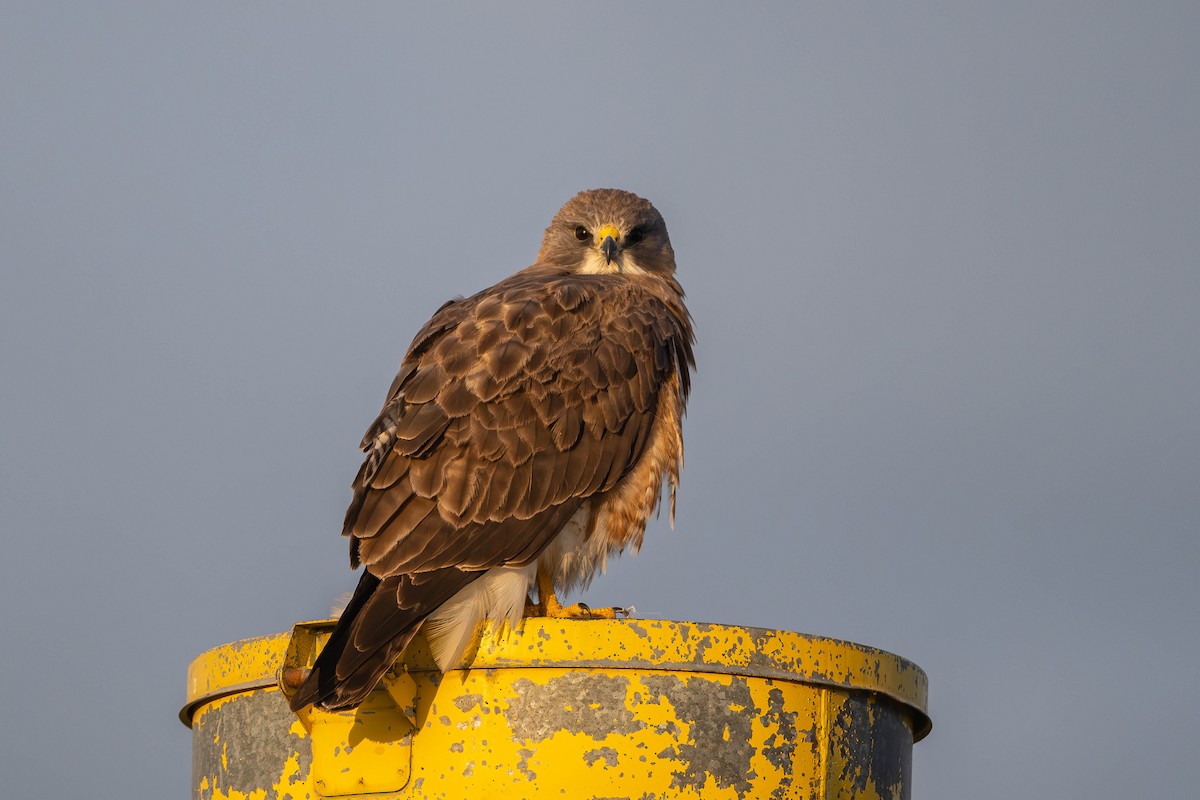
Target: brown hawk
x,y
525,439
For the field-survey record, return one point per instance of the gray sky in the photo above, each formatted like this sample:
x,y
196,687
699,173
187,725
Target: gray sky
x,y
944,264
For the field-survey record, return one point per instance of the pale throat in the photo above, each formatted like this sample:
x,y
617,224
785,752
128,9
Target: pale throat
x,y
595,264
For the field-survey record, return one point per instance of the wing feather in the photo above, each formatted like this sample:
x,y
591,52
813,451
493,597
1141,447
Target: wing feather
x,y
563,379
510,410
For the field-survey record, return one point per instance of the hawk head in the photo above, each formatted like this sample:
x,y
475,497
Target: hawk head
x,y
608,231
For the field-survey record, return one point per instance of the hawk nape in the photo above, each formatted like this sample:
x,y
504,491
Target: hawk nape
x,y
525,438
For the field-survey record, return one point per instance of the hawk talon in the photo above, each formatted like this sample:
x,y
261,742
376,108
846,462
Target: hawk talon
x,y
549,606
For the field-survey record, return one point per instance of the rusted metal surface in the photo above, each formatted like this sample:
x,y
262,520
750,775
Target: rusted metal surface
x,y
574,709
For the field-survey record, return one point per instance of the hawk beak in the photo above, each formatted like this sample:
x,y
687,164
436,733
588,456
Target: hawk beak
x,y
608,242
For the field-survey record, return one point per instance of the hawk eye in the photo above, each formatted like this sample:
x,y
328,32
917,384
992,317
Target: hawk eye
x,y
581,233
634,236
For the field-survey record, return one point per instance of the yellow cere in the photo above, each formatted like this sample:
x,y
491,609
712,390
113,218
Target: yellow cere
x,y
608,230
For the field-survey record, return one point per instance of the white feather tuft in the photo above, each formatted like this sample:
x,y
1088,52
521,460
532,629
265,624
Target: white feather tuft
x,y
339,604
499,595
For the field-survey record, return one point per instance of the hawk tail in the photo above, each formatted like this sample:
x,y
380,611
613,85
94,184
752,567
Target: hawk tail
x,y
370,635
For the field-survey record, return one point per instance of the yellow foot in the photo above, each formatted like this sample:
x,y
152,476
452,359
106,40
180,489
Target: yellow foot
x,y
584,611
548,605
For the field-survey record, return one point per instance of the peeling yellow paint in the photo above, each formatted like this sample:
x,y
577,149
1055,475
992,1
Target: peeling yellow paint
x,y
573,709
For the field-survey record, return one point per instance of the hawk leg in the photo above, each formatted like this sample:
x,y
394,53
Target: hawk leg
x,y
548,605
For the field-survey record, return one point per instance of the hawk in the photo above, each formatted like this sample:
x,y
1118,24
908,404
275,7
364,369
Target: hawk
x,y
525,439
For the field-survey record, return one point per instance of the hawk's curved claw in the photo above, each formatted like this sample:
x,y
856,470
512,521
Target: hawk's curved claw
x,y
548,605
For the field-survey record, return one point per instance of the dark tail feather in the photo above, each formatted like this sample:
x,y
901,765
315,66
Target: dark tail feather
x,y
323,687
378,624
339,694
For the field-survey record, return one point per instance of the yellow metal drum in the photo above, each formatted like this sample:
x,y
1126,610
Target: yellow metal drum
x,y
569,709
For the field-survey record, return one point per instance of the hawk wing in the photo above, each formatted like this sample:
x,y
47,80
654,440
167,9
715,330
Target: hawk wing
x,y
511,408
